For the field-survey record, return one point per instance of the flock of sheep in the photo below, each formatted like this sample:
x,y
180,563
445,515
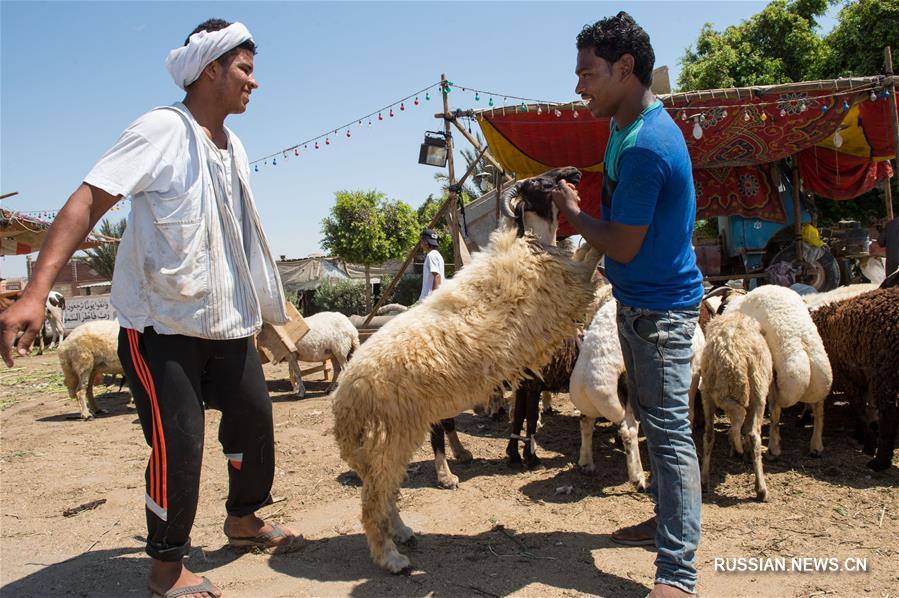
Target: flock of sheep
x,y
529,315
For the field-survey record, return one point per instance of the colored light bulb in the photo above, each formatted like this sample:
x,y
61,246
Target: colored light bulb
x,y
477,97
296,152
391,113
490,102
402,107
327,141
316,145
697,130
256,167
348,134
415,103
427,97
837,139
380,117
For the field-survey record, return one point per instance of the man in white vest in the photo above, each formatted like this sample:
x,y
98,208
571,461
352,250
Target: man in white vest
x,y
193,282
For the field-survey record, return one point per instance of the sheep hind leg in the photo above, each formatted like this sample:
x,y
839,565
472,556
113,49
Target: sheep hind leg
x,y
399,531
90,396
774,430
531,460
817,442
889,418
629,433
737,415
378,494
338,362
585,459
84,382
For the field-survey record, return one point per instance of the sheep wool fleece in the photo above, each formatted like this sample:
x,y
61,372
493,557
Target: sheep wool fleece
x,y
172,377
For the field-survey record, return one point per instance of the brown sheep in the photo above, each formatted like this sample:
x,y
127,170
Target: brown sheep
x,y
861,337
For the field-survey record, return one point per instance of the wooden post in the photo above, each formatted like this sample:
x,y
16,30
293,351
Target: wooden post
x,y
888,62
451,173
797,214
888,197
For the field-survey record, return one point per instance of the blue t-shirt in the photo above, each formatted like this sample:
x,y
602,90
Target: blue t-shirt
x,y
649,182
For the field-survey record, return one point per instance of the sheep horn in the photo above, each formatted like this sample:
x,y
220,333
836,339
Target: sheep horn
x,y
718,291
505,201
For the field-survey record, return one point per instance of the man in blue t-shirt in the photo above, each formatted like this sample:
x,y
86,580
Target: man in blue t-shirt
x,y
648,209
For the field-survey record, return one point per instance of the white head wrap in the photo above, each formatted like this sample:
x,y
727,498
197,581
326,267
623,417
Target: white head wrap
x,y
187,62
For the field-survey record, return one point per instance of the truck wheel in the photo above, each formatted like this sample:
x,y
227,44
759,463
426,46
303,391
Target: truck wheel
x,y
824,274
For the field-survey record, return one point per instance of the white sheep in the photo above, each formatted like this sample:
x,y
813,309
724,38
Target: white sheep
x,y
594,387
331,336
816,300
802,370
736,377
91,349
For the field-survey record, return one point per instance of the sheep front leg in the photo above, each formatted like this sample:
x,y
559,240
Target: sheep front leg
x,y
817,443
755,443
629,433
296,376
460,453
517,423
585,459
708,410
399,531
445,477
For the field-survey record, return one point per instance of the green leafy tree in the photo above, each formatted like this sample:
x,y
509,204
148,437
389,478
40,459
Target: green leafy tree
x,y
101,259
365,228
777,45
855,46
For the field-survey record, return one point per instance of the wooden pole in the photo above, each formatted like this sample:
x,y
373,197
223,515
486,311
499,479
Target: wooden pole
x,y
888,62
888,198
453,196
797,214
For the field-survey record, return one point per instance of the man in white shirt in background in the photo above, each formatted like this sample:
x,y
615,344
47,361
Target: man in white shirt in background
x,y
432,275
193,282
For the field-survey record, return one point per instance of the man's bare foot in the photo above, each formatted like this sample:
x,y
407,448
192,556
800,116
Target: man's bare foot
x,y
665,591
168,576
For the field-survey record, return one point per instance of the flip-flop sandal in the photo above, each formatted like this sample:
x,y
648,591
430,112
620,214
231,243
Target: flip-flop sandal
x,y
629,536
264,541
204,586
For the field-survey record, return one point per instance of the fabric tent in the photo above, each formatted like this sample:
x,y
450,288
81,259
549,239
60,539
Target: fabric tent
x,y
20,234
741,132
309,273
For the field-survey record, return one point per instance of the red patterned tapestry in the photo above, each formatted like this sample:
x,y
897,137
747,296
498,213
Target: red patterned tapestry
x,y
746,191
770,129
874,118
836,175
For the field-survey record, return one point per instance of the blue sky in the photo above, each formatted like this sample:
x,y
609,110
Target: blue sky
x,y
74,74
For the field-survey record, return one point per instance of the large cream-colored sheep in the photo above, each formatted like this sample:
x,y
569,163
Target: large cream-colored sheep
x,y
89,350
502,314
331,336
802,370
736,377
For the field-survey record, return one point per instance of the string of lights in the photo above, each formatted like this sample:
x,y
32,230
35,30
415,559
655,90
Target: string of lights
x,y
784,104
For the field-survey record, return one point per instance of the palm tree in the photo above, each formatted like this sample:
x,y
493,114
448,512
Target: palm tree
x,y
101,259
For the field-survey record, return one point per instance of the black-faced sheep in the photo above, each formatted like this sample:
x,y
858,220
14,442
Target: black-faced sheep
x,y
861,336
91,349
736,377
502,314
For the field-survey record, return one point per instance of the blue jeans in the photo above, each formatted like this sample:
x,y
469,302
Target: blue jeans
x,y
657,348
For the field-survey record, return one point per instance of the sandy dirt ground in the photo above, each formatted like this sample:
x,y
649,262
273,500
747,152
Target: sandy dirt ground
x,y
503,531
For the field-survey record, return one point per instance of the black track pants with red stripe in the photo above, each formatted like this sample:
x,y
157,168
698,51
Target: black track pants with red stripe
x,y
172,378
